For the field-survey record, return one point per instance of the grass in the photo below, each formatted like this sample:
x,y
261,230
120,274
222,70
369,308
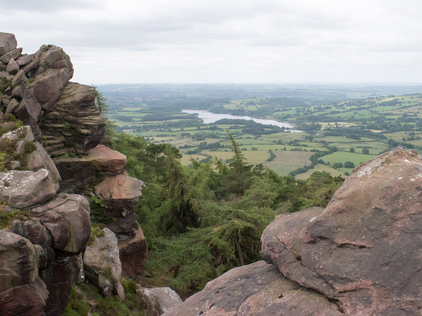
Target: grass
x,y
320,168
342,157
287,161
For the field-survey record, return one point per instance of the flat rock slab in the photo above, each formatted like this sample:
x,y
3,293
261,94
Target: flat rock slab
x,y
258,289
121,187
365,248
26,188
106,159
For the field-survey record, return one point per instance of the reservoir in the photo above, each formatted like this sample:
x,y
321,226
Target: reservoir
x,y
209,118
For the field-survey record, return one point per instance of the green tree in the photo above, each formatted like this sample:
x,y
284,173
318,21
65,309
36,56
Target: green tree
x,y
349,164
365,151
352,149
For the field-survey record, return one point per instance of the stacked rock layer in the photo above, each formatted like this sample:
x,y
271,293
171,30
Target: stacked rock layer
x,y
42,246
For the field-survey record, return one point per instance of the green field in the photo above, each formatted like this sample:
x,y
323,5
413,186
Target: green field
x,y
396,118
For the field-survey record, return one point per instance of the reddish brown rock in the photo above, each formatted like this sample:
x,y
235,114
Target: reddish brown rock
x,y
51,76
133,253
18,264
364,248
12,67
75,118
59,277
105,159
26,300
67,220
258,289
120,194
29,110
76,171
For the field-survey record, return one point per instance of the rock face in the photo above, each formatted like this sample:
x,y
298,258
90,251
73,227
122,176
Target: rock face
x,y
46,231
75,120
364,248
255,289
133,253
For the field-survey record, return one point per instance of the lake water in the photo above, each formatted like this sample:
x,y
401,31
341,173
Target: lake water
x,y
207,117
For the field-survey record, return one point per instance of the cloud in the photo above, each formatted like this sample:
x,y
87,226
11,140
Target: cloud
x,y
225,41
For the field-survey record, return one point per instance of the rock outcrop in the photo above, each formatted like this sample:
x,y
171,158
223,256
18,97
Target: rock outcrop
x,y
48,227
158,300
102,264
359,256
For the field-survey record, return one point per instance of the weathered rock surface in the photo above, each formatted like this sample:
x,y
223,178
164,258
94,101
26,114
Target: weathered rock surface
x,y
29,109
364,249
52,75
133,252
76,171
39,159
67,220
158,300
7,43
105,159
120,194
27,300
76,118
102,264
26,188
255,289
13,54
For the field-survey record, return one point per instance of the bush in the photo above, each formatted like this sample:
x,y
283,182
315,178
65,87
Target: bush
x,y
349,164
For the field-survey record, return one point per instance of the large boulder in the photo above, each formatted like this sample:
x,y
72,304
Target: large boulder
x,y
364,249
102,264
158,300
7,43
76,118
258,289
26,188
67,220
29,109
52,75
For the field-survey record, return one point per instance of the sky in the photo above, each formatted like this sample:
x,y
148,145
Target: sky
x,y
226,41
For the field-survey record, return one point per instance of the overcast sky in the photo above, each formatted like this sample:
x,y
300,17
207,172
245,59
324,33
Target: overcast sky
x,y
226,41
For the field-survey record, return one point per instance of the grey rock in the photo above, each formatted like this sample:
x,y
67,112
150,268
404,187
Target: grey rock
x,y
12,106
7,43
12,67
13,54
22,133
32,65
26,188
19,78
5,74
51,76
17,91
39,159
158,300
24,59
102,264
